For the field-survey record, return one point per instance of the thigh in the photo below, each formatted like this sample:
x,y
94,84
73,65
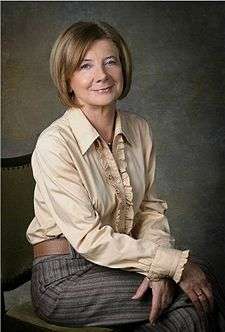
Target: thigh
x,y
181,316
72,291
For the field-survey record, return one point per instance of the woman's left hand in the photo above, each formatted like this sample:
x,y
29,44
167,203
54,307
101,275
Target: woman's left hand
x,y
195,284
162,295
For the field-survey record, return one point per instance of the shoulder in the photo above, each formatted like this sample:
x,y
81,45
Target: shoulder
x,y
53,140
56,133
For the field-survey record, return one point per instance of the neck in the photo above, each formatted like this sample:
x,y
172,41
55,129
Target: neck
x,y
102,118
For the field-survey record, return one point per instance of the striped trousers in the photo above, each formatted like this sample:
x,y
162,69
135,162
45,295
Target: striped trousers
x,y
70,291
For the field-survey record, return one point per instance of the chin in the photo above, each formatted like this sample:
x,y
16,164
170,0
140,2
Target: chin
x,y
103,101
102,104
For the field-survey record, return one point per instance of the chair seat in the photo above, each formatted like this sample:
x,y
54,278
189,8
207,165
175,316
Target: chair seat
x,y
25,313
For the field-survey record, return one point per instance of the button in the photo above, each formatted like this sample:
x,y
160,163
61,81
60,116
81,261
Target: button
x,y
117,191
110,177
98,145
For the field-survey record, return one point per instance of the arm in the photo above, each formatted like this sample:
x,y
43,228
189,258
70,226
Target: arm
x,y
70,207
151,222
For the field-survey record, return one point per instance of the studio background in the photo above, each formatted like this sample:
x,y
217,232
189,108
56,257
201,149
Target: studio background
x,y
178,83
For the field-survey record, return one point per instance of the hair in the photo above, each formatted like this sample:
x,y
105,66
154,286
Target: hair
x,y
70,48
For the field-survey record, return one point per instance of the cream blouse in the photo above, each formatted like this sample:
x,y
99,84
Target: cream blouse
x,y
103,202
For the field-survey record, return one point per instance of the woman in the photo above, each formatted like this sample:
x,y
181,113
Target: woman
x,y
102,246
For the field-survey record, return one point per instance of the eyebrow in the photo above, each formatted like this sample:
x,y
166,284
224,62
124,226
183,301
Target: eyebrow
x,y
108,57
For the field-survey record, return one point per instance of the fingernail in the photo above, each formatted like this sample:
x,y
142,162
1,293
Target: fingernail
x,y
134,297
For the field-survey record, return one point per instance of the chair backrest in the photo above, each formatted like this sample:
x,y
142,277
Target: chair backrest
x,y
17,212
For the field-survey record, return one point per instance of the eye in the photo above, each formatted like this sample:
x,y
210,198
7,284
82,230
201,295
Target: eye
x,y
111,62
85,66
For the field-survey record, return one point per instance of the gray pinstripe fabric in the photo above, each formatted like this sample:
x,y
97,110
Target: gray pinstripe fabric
x,y
71,291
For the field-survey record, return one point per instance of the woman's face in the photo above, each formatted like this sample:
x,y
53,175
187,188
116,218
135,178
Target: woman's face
x,y
99,79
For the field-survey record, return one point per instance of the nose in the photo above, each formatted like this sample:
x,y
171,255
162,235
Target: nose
x,y
100,73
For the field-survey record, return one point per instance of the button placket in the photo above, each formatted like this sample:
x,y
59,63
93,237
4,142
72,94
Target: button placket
x,y
128,211
113,177
115,169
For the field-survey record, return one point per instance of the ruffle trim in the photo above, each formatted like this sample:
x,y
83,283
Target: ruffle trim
x,y
124,212
180,267
129,210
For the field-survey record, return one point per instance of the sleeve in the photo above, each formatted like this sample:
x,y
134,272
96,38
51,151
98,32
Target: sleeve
x,y
70,206
152,223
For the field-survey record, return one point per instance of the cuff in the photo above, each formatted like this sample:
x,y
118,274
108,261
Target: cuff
x,y
168,263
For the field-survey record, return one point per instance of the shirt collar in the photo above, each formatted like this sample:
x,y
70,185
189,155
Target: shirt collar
x,y
86,134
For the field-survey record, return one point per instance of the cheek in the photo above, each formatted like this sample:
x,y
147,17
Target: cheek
x,y
78,84
120,76
120,80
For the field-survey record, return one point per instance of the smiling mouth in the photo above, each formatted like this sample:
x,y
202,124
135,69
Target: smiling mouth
x,y
104,89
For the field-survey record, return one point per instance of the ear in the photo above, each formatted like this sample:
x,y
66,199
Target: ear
x,y
71,94
69,88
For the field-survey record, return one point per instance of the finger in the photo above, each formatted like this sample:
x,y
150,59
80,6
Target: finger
x,y
209,295
166,301
195,300
155,308
204,302
141,289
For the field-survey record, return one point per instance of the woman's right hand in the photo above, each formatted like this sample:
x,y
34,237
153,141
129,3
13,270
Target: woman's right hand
x,y
195,284
162,296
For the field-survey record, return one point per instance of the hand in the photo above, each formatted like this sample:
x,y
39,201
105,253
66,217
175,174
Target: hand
x,y
162,295
195,284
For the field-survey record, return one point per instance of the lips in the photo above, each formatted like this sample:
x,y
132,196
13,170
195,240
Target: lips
x,y
103,89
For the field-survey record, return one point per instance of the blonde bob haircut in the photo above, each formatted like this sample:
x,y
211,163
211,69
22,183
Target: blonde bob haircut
x,y
69,51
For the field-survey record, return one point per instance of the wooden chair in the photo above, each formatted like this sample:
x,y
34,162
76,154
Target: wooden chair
x,y
17,212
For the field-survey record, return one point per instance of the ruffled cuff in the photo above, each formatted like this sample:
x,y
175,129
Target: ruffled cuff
x,y
168,263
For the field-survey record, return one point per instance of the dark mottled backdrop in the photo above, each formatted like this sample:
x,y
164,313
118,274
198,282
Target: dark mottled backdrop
x,y
178,82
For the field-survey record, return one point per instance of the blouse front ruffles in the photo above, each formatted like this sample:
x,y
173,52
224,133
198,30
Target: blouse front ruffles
x,y
104,202
119,180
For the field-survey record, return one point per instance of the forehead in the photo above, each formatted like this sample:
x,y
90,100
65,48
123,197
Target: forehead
x,y
102,47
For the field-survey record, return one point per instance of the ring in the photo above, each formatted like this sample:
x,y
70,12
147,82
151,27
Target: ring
x,y
199,293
